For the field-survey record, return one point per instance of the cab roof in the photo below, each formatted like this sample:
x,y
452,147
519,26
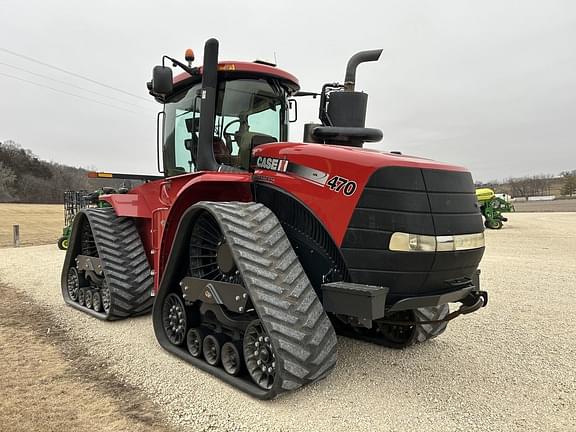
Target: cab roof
x,y
239,69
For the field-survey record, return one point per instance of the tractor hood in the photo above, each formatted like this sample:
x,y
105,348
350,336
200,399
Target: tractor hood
x,y
321,155
365,197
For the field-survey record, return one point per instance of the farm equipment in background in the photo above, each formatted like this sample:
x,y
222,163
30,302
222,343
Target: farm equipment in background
x,y
253,251
492,207
74,201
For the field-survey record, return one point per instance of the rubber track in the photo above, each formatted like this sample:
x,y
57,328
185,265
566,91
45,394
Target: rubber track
x,y
124,262
301,333
422,332
430,331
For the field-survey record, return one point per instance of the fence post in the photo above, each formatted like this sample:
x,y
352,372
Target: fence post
x,y
16,230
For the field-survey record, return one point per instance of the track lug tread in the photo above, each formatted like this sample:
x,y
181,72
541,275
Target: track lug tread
x,y
301,333
124,262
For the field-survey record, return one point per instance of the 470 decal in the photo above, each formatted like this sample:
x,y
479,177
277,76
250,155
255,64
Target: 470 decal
x,y
341,184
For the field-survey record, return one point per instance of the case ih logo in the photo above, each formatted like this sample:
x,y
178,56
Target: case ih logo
x,y
272,164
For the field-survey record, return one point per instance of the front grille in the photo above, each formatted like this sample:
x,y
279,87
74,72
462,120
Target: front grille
x,y
419,201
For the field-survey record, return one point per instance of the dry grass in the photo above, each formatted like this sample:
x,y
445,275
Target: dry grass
x,y
39,223
50,385
566,205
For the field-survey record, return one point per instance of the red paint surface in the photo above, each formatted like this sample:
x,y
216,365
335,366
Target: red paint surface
x,y
255,68
157,206
334,209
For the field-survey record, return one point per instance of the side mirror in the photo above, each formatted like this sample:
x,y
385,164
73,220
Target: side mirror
x,y
293,110
162,80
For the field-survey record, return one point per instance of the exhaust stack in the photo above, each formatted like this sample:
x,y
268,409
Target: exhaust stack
x,y
355,60
205,158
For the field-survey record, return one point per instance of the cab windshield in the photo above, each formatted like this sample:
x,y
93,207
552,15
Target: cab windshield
x,y
249,112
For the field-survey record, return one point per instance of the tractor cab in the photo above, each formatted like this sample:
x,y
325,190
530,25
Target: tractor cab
x,y
215,115
214,122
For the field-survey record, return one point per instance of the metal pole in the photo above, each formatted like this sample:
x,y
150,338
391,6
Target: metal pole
x,y
16,231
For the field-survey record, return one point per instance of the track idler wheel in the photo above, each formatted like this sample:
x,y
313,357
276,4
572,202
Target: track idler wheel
x,y
174,319
194,341
105,296
73,283
260,358
231,358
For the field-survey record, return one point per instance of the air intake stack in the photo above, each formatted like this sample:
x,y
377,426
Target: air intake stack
x,y
343,110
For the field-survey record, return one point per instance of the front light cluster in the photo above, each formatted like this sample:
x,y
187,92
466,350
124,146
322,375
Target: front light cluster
x,y
406,242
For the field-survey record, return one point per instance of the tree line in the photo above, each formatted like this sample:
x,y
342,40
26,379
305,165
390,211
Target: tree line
x,y
537,185
25,178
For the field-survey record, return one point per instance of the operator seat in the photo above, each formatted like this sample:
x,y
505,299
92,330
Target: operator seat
x,y
247,141
221,151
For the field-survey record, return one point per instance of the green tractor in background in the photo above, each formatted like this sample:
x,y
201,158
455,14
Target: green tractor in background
x,y
74,201
492,208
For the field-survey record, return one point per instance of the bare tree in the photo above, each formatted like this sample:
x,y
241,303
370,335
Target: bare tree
x,y
7,179
569,185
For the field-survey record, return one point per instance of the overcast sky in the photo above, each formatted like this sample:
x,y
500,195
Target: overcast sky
x,y
490,85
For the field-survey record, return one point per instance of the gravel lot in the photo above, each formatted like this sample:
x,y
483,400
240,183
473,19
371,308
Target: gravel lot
x,y
511,366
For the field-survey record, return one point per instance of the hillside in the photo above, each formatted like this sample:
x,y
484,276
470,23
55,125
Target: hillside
x,y
24,178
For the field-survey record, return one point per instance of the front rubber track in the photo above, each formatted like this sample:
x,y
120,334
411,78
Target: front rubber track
x,y
124,262
302,336
421,332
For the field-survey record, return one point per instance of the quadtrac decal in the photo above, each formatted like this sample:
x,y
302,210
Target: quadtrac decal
x,y
335,183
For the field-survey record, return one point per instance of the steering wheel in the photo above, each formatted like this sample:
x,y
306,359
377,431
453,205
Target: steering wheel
x,y
229,137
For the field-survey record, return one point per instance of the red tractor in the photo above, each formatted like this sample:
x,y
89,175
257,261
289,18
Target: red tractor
x,y
253,252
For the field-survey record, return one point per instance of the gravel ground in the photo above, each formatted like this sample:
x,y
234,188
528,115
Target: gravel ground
x,y
509,367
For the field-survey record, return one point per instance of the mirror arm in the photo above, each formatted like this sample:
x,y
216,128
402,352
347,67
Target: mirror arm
x,y
189,70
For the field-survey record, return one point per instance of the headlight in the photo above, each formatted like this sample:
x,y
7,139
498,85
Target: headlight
x,y
406,242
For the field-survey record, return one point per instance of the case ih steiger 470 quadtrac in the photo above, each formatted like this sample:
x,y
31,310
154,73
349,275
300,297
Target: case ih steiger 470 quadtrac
x,y
254,252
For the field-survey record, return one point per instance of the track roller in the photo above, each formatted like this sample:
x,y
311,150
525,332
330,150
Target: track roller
x,y
194,341
96,301
231,358
211,347
82,296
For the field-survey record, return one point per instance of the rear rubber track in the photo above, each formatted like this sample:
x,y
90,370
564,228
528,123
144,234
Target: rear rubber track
x,y
301,333
124,261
